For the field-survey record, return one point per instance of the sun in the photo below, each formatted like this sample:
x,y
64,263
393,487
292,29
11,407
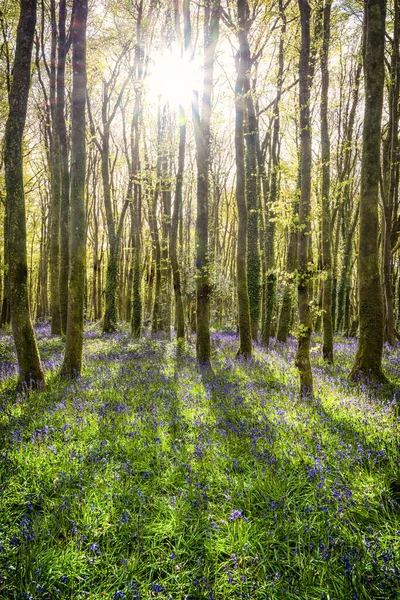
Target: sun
x,y
174,78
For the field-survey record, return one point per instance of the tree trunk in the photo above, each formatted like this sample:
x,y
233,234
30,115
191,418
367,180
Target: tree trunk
x,y
74,339
136,210
286,312
173,249
252,200
30,369
368,362
390,178
270,283
5,317
165,322
243,62
156,313
305,323
345,275
55,187
327,331
64,168
202,137
110,313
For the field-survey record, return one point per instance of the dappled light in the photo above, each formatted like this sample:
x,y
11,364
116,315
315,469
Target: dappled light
x,y
199,300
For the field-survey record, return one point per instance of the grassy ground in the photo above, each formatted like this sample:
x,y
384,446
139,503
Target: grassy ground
x,y
143,480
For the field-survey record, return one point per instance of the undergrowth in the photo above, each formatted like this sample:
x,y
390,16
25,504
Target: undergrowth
x,y
145,479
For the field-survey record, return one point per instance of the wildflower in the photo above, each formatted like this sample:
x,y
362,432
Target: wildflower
x,y
235,514
125,518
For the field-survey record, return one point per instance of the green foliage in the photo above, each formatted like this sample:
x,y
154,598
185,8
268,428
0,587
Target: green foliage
x,y
141,478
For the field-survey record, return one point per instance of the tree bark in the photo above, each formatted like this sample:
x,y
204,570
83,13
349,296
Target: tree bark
x,y
327,326
55,186
390,179
202,128
30,369
270,284
253,210
305,323
63,166
72,364
173,249
5,317
243,65
368,362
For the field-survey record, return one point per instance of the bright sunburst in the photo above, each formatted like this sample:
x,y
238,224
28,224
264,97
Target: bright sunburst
x,y
173,78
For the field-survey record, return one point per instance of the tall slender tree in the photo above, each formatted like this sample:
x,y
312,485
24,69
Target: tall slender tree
x,y
390,179
202,128
72,364
243,66
173,249
63,165
55,183
327,329
270,283
368,361
305,323
30,369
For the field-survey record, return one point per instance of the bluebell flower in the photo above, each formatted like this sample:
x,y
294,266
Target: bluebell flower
x,y
235,514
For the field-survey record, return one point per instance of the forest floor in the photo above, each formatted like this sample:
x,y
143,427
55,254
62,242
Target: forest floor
x,y
144,480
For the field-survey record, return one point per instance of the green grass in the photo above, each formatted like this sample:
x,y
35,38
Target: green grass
x,y
144,479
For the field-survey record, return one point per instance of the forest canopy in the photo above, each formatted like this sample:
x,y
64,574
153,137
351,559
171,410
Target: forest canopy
x,y
222,168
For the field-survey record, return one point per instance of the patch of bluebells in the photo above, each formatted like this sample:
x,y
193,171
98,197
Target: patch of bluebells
x,y
237,437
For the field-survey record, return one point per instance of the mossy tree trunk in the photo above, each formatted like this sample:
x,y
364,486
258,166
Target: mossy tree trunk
x,y
30,369
368,361
72,364
327,325
305,322
253,209
243,65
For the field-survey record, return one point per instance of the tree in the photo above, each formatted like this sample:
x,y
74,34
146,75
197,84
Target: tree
x,y
55,183
347,216
63,165
368,361
270,283
390,179
180,320
327,339
72,364
30,369
108,114
202,129
243,66
305,323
